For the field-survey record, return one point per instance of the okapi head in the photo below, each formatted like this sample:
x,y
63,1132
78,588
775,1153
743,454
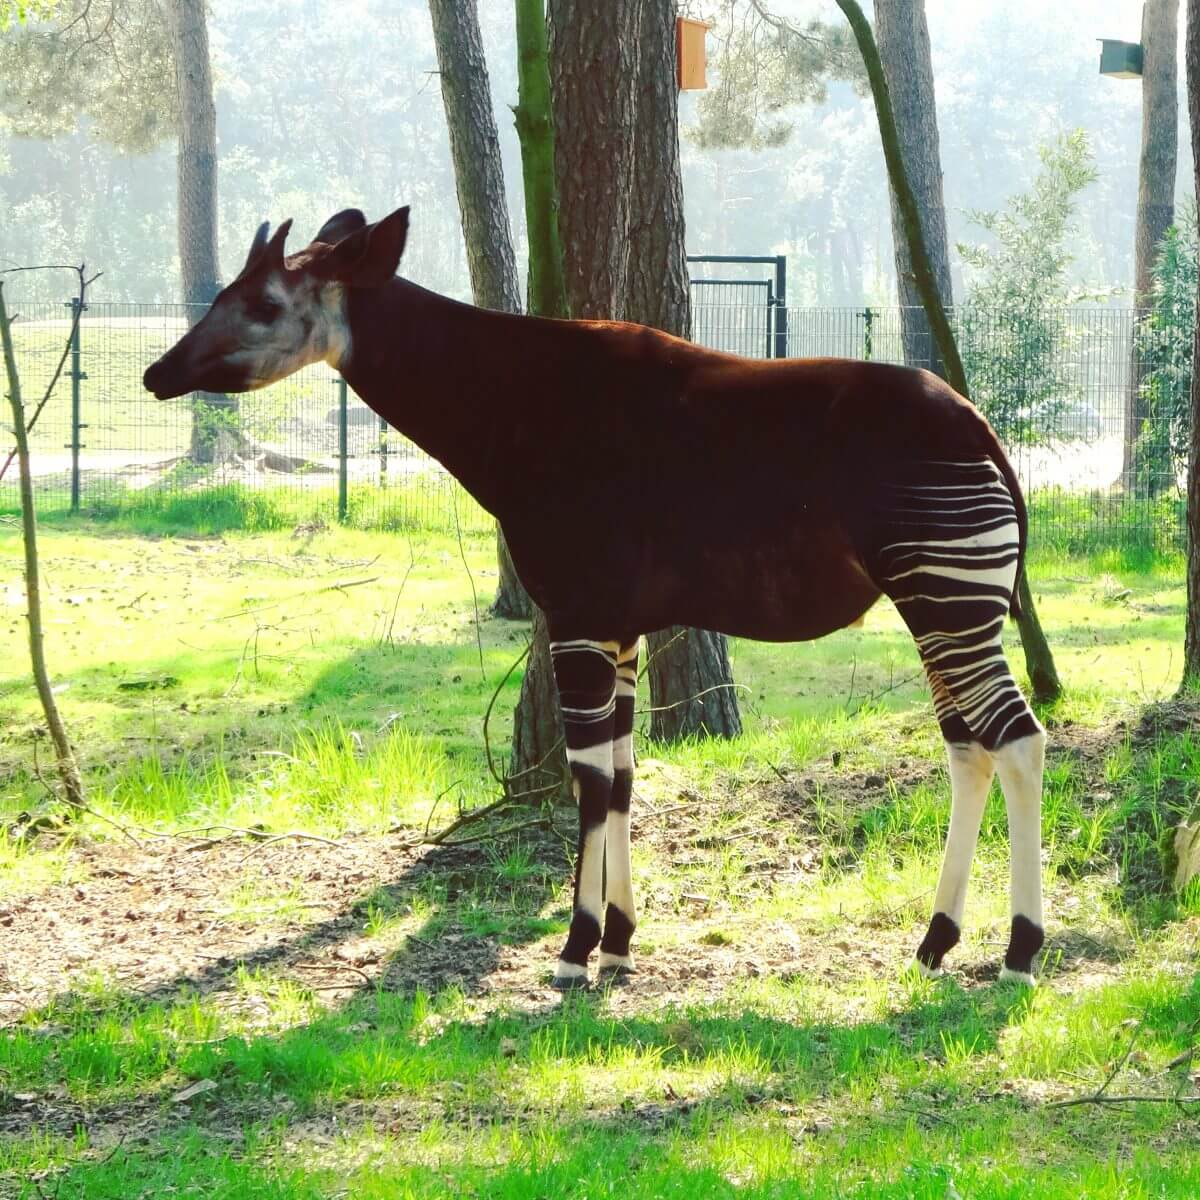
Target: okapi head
x,y
282,313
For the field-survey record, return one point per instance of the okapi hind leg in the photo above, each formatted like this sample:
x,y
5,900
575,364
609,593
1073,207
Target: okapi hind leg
x,y
947,551
620,916
585,672
1020,764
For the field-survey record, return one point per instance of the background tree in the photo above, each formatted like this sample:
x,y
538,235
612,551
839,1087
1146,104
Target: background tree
x,y
479,179
691,685
1164,349
767,65
1191,649
1156,189
196,197
903,39
1013,326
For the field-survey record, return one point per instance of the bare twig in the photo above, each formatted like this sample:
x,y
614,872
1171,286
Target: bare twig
x,y
715,688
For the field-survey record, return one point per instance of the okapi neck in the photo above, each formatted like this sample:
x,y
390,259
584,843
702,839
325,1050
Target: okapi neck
x,y
426,364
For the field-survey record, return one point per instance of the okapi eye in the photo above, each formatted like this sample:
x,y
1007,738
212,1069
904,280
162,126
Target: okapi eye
x,y
263,311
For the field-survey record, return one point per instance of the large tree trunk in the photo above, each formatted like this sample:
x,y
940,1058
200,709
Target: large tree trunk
x,y
1191,646
1156,191
196,175
691,688
1039,662
479,179
593,69
903,38
539,758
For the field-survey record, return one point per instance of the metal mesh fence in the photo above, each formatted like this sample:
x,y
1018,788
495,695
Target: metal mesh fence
x,y
1057,385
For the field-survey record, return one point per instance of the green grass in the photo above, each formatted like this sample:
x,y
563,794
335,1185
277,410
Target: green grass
x,y
331,682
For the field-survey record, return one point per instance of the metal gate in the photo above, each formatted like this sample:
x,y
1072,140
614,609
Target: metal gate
x,y
741,316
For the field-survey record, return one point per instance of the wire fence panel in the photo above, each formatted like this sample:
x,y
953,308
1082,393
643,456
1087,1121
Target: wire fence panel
x,y
1062,388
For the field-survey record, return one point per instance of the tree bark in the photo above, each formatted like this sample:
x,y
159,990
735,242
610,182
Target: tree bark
x,y
691,687
68,769
539,757
1156,191
482,205
903,37
196,176
593,70
1039,661
1191,645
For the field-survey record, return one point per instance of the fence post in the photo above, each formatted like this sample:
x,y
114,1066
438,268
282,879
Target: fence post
x,y
77,376
343,482
383,453
868,321
781,313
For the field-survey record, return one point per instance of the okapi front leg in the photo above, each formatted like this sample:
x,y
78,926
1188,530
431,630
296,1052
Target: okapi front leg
x,y
620,917
586,675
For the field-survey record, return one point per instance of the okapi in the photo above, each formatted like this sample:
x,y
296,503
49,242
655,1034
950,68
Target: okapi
x,y
643,481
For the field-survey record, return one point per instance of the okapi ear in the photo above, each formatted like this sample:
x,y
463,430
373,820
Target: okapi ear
x,y
341,225
370,257
256,248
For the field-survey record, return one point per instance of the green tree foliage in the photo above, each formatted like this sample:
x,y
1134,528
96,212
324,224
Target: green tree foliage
x,y
17,12
108,61
1165,345
766,65
1012,328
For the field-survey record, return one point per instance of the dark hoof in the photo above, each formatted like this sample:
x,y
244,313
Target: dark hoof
x,y
570,983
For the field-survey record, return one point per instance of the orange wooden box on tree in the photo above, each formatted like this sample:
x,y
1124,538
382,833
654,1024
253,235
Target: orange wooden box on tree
x,y
689,53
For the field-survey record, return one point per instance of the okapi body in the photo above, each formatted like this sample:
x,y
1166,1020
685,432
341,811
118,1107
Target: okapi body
x,y
643,481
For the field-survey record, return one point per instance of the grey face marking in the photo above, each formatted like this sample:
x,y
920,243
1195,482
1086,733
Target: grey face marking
x,y
283,327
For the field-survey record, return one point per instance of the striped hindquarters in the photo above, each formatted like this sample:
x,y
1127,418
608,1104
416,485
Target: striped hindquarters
x,y
949,550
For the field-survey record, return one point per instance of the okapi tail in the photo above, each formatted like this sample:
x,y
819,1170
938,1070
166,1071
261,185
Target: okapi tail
x,y
1000,458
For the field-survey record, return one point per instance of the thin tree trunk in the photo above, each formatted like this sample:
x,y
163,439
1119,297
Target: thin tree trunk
x,y
1191,645
593,69
904,51
1039,662
482,205
1156,192
539,757
691,687
68,769
534,120
196,175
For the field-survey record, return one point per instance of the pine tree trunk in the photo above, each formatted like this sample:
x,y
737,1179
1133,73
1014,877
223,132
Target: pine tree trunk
x,y
1039,661
196,175
1191,647
691,688
593,71
479,179
1156,191
539,757
903,38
